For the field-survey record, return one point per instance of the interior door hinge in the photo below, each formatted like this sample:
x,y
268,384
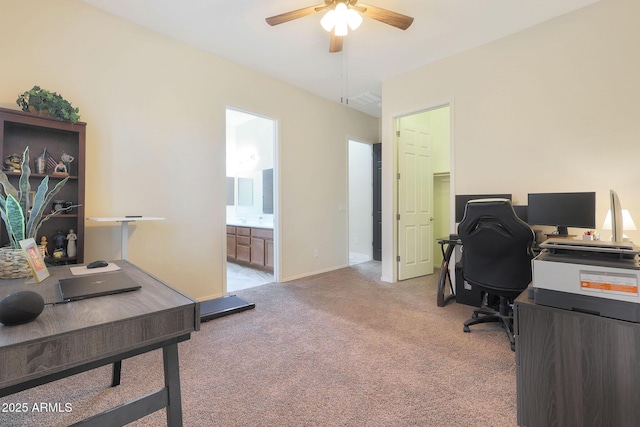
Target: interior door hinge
x,y
398,133
398,258
398,175
398,217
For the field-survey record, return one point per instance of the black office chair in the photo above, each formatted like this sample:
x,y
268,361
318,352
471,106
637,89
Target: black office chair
x,y
496,257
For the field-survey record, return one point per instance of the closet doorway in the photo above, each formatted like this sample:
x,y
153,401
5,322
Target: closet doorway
x,y
251,208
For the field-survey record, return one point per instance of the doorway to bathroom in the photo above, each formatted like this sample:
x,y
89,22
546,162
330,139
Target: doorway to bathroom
x,y
251,208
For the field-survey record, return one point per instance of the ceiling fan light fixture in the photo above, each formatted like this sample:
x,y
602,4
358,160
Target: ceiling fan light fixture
x,y
328,21
341,29
341,18
342,15
353,19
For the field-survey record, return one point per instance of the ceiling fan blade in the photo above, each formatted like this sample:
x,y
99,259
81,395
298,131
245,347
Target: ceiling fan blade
x,y
336,43
395,19
295,14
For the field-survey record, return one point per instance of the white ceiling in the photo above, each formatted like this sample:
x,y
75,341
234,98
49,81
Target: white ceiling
x,y
297,52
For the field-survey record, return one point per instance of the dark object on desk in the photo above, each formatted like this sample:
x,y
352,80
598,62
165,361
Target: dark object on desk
x,y
97,264
563,210
462,199
20,307
466,293
223,306
496,258
96,285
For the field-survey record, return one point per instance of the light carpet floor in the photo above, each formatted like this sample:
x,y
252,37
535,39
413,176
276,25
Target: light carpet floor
x,y
336,349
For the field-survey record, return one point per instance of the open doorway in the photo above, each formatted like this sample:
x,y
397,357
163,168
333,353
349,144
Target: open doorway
x,y
423,188
360,202
251,200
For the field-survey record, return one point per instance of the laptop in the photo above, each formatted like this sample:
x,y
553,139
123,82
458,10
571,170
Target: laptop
x,y
96,285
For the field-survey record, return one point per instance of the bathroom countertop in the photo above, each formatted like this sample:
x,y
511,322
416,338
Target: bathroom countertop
x,y
252,224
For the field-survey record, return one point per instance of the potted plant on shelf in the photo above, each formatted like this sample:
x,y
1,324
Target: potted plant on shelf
x,y
23,220
42,100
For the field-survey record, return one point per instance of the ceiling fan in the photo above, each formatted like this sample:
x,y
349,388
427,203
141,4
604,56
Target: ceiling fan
x,y
343,13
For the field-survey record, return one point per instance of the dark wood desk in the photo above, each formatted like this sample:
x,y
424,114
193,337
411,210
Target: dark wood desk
x,y
575,369
74,337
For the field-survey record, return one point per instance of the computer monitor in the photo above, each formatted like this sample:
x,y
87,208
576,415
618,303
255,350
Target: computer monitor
x,y
563,210
522,212
462,199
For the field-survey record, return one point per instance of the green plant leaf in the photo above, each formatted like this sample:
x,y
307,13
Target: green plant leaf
x,y
15,221
23,184
43,100
38,207
37,210
7,187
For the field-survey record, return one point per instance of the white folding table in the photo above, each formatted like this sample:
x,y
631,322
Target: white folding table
x,y
125,220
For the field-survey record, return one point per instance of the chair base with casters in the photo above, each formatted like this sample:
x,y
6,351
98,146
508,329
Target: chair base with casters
x,y
503,315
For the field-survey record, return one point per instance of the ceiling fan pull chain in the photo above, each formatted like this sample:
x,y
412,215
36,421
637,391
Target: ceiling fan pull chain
x,y
341,77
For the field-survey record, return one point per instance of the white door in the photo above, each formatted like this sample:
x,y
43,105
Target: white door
x,y
415,199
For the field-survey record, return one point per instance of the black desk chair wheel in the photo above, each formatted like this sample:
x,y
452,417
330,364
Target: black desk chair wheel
x,y
496,257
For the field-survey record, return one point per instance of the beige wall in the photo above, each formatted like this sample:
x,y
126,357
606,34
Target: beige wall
x,y
552,108
155,110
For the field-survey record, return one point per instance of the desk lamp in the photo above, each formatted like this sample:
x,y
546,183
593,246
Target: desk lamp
x,y
627,223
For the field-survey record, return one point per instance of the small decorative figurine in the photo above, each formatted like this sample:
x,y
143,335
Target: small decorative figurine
x,y
60,168
13,163
59,240
67,159
71,244
43,242
58,253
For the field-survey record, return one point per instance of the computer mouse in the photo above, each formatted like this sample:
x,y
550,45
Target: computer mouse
x,y
97,264
20,307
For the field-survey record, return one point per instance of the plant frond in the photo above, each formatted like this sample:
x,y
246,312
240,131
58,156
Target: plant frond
x,y
15,221
7,187
24,185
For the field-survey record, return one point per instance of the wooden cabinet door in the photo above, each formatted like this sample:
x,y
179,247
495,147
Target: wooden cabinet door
x,y
257,251
575,369
243,253
231,246
243,247
269,254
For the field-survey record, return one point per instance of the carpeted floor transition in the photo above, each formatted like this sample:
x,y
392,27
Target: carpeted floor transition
x,y
336,349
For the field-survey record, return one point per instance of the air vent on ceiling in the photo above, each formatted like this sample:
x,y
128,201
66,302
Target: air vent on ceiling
x,y
366,98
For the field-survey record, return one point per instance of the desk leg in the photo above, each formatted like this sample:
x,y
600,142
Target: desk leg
x,y
444,275
124,239
172,384
116,373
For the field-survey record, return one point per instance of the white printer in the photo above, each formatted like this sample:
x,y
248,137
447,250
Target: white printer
x,y
590,276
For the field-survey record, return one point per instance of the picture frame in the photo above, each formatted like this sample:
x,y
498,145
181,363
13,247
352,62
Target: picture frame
x,y
34,257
